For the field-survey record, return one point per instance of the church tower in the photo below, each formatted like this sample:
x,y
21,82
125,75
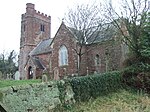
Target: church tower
x,y
35,27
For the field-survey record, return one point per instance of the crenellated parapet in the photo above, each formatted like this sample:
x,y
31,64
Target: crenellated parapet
x,y
30,11
38,13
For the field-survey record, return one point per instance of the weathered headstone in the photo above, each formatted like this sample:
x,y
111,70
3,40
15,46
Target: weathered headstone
x,y
17,75
44,78
1,75
56,74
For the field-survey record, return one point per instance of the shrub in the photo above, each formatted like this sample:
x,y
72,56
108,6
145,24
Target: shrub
x,y
66,94
92,86
137,76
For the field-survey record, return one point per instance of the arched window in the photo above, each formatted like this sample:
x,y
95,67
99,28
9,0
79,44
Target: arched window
x,y
97,60
63,56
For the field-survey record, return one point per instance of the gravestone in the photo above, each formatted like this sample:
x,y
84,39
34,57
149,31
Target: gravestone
x,y
17,75
1,75
44,78
56,74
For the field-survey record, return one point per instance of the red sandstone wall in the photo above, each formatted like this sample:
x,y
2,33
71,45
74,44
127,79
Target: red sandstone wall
x,y
64,37
110,49
31,34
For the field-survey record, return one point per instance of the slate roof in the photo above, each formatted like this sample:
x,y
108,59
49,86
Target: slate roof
x,y
37,62
106,33
42,47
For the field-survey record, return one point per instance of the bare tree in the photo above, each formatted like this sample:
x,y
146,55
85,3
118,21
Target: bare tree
x,y
129,18
86,23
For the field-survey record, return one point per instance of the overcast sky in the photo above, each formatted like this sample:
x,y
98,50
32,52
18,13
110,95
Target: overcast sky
x,y
11,11
10,20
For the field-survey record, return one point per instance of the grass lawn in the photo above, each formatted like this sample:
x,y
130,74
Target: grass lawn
x,y
121,101
6,83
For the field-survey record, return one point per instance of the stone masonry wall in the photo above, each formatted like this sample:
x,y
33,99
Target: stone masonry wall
x,y
64,37
40,97
109,52
32,34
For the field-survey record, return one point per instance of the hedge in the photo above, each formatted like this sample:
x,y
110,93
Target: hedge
x,y
92,86
137,77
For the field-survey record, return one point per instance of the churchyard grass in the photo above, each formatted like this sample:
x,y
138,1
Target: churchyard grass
x,y
121,101
6,83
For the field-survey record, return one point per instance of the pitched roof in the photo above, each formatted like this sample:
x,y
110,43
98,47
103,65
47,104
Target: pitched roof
x,y
42,47
37,62
106,33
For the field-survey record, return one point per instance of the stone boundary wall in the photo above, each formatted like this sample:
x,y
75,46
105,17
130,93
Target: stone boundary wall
x,y
40,97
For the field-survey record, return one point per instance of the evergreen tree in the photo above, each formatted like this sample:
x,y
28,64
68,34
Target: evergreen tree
x,y
7,64
145,40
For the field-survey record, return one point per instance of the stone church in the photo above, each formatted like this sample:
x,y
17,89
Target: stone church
x,y
56,56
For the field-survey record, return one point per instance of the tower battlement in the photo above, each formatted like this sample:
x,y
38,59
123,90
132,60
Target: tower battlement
x,y
38,13
30,11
